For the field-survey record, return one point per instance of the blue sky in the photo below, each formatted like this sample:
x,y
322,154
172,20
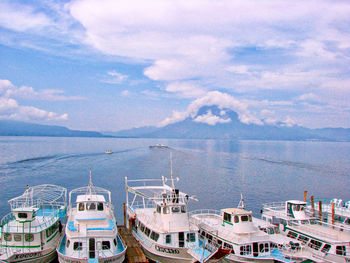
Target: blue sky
x,y
108,65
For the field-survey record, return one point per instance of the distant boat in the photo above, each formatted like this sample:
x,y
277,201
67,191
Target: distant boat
x,y
108,152
159,146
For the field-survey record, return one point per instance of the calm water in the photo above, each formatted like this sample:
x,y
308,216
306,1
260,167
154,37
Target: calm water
x,y
215,171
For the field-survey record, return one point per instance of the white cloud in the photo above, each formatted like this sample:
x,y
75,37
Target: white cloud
x,y
308,96
185,89
222,100
211,119
20,17
115,77
10,109
125,93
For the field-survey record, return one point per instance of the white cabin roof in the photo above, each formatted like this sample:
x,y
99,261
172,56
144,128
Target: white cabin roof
x,y
297,202
90,198
236,211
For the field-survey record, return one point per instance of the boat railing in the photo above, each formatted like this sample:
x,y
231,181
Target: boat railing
x,y
45,222
204,212
139,204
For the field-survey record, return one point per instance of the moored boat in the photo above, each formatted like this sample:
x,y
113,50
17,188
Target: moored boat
x,y
31,232
324,242
159,220
91,232
233,228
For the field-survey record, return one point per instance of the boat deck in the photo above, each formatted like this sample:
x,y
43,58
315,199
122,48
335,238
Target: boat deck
x,y
134,252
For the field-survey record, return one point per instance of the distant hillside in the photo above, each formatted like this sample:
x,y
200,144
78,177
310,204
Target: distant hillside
x,y
235,129
134,132
17,128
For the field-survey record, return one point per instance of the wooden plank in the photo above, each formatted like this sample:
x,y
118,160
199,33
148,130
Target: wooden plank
x,y
134,253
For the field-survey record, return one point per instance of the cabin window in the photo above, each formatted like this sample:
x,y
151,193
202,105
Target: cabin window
x,y
81,207
303,239
22,215
326,248
244,218
236,219
313,222
7,237
115,242
28,237
228,246
315,244
142,227
175,209
159,209
90,206
147,231
203,234
67,243
219,242
168,239
106,245
340,250
264,247
250,218
246,250
100,206
304,222
165,210
52,229
209,237
77,246
154,236
17,237
191,237
292,234
183,209
227,217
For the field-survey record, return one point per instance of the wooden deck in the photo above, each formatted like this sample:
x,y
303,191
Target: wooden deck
x,y
134,252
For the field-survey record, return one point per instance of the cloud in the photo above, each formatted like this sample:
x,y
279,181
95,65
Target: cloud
x,y
115,77
7,89
308,96
211,119
222,100
185,89
10,109
21,18
125,93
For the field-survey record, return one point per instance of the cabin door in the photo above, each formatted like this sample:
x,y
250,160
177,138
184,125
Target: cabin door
x,y
91,248
255,249
181,239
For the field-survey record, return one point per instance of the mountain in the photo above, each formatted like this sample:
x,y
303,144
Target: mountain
x,y
17,128
134,132
232,128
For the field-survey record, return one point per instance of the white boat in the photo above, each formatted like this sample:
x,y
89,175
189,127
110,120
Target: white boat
x,y
161,146
31,232
91,232
235,229
159,220
108,152
324,242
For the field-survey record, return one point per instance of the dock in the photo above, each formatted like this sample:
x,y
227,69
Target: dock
x,y
134,253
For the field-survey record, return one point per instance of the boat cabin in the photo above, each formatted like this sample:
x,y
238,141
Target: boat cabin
x,y
238,219
296,209
90,203
24,214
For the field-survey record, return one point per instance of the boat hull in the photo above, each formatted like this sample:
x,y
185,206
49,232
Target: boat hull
x,y
164,254
43,256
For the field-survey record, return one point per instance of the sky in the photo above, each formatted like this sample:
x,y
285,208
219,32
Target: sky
x,y
109,65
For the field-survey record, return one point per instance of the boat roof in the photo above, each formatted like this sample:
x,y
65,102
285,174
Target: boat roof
x,y
89,198
236,211
298,202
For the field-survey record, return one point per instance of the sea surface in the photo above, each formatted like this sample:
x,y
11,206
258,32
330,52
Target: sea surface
x,y
215,171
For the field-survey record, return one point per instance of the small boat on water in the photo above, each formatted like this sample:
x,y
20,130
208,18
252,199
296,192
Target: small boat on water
x,y
108,152
159,220
31,232
323,241
91,230
160,146
235,229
